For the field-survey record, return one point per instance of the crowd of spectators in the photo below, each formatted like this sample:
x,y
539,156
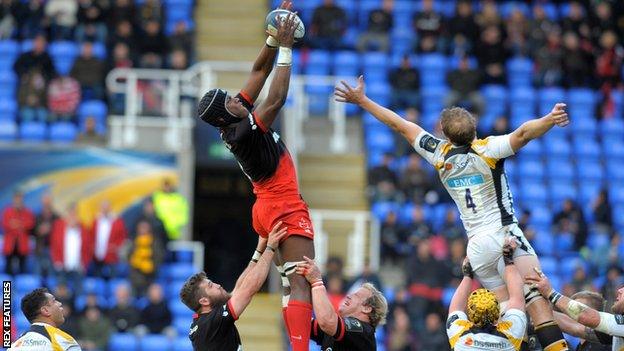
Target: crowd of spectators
x,y
579,47
67,251
126,33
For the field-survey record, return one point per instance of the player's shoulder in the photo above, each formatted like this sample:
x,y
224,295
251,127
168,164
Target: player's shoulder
x,y
458,318
353,324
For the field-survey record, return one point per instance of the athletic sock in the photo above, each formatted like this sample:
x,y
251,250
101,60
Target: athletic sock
x,y
550,337
299,317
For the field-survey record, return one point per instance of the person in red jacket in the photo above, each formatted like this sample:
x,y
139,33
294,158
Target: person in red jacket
x,y
107,234
70,249
17,222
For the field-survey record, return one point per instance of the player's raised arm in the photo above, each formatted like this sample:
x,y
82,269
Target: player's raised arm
x,y
460,297
263,65
585,315
357,95
515,284
270,107
535,128
255,277
326,316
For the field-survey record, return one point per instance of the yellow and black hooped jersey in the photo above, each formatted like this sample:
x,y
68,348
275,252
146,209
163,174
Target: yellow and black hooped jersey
x,y
507,335
474,176
44,337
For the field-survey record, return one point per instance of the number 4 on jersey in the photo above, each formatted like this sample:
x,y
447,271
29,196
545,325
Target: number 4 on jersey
x,y
469,202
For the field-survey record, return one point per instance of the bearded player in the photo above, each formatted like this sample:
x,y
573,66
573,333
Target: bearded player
x,y
472,171
263,157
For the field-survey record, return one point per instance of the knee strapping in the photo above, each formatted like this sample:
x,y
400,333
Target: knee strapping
x,y
550,337
531,294
285,270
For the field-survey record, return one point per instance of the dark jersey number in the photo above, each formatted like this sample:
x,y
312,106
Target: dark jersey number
x,y
469,202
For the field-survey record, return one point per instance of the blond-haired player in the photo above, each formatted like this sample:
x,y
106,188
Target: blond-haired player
x,y
472,171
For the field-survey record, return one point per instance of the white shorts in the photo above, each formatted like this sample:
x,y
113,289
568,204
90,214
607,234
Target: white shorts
x,y
485,252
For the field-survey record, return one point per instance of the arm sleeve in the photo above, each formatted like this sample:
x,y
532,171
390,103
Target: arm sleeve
x,y
456,324
497,147
316,334
354,334
428,146
612,324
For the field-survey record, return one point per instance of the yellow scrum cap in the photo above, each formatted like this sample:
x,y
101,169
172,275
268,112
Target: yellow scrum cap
x,y
482,307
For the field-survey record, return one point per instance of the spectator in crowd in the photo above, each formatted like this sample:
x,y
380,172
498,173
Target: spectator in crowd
x,y
602,20
379,26
72,324
146,254
462,29
571,219
92,300
580,279
95,330
576,22
42,231
178,60
491,55
383,186
489,16
433,338
367,276
451,228
400,336
156,316
382,172
182,39
457,249
108,235
121,59
334,267
465,83
329,22
151,10
149,215
90,135
335,290
517,28
391,238
418,228
172,208
548,61
428,27
121,11
501,126
17,222
425,283
153,45
9,12
64,295
123,316
31,19
89,71
63,17
34,69
609,70
613,282
415,181
91,26
576,62
405,82
63,98
70,249
402,147
124,34
539,25
602,211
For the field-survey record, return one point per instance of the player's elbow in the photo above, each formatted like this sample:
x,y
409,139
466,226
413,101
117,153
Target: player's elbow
x,y
328,323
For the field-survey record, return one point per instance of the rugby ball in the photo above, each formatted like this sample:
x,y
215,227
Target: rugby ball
x,y
277,15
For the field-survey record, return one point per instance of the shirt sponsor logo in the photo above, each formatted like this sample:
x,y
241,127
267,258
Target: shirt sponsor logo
x,y
500,345
619,319
462,182
193,330
429,143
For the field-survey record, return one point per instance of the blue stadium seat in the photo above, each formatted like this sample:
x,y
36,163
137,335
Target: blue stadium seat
x,y
346,63
549,264
560,170
616,194
569,265
114,283
612,127
402,40
123,342
179,309
8,109
379,140
548,97
560,191
581,104
27,282
447,296
181,271
63,132
181,325
590,170
379,92
433,70
522,104
557,148
375,66
584,126
495,99
365,8
598,241
613,148
530,170
81,301
8,130
532,151
22,323
564,243
615,172
33,131
533,192
509,7
95,108
155,342
381,209
520,72
183,344
173,288
433,99
8,84
99,50
588,190
551,10
618,221
9,49
94,285
63,54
